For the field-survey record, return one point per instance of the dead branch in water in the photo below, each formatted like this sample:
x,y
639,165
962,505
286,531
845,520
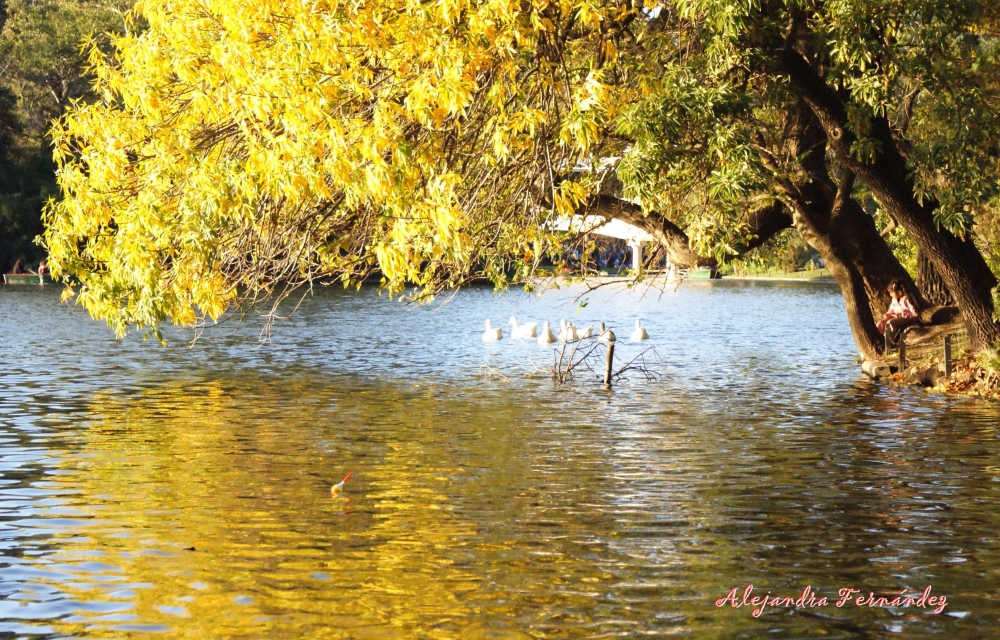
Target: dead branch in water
x,y
489,373
589,354
576,356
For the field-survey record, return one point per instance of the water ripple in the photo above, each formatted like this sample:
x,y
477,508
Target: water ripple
x,y
185,490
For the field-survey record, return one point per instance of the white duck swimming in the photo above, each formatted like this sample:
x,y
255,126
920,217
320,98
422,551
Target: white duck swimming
x,y
524,331
573,335
585,333
492,334
546,337
567,332
639,334
605,334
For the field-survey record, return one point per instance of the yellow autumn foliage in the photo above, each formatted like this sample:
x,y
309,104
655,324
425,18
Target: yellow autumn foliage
x,y
241,146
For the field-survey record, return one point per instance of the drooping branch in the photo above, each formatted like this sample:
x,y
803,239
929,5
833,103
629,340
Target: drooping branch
x,y
766,223
763,225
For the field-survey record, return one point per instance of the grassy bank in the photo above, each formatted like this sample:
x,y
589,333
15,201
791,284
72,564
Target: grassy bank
x,y
807,274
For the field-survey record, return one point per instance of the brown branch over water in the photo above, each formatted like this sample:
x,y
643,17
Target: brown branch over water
x,y
762,225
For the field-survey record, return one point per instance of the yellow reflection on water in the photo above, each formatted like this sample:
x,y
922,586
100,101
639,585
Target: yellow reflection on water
x,y
212,512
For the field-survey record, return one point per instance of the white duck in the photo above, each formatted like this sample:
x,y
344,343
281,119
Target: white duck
x,y
639,334
605,334
546,337
492,334
567,332
585,333
523,331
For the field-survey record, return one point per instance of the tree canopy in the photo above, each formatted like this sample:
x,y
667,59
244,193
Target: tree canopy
x,y
239,147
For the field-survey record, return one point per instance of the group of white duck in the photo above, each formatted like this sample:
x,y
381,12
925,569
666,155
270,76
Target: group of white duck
x,y
567,332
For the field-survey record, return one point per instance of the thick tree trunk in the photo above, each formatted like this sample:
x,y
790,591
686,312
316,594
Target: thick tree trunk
x,y
834,224
874,259
845,236
857,302
958,261
931,284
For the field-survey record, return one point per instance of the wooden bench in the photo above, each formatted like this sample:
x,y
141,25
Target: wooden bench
x,y
940,334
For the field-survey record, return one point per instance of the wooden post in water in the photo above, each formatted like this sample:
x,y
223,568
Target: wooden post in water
x,y
902,351
607,367
947,355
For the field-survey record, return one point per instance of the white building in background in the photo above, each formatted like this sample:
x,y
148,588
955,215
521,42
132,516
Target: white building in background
x,y
635,237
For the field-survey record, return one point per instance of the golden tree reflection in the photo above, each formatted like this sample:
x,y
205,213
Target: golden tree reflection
x,y
214,512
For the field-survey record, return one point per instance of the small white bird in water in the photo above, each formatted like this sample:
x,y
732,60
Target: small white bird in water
x,y
546,337
338,488
571,333
524,331
567,332
639,334
492,334
585,333
605,335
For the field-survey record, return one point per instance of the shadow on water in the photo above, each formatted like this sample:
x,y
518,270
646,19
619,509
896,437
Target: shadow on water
x,y
185,490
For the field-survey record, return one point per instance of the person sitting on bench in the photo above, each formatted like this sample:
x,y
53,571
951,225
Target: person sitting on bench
x,y
901,314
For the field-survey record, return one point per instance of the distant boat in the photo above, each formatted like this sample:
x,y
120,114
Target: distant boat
x,y
26,278
701,273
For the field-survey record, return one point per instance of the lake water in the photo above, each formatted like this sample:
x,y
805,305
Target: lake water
x,y
185,490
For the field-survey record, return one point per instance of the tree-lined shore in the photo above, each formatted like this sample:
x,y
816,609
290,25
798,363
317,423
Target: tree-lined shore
x,y
43,70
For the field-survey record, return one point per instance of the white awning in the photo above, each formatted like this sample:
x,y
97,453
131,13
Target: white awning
x,y
613,228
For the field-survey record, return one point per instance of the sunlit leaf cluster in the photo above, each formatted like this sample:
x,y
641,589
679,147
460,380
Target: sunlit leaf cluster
x,y
240,147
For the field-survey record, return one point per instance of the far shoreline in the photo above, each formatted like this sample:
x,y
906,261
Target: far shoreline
x,y
823,279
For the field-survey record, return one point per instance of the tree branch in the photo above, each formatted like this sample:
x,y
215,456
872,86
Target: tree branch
x,y
763,224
